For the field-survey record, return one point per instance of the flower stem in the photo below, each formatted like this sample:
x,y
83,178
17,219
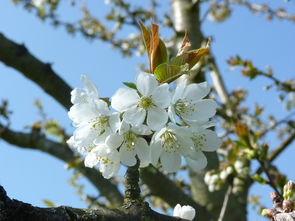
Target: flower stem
x,y
132,189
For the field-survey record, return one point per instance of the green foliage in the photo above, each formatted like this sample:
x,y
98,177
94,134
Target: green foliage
x,y
130,85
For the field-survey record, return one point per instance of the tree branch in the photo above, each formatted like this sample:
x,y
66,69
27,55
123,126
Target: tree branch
x,y
166,189
218,82
13,210
38,141
132,189
277,151
18,57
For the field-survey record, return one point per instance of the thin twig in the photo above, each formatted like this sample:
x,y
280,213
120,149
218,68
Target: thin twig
x,y
225,203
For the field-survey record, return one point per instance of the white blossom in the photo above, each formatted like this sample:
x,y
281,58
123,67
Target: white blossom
x,y
169,144
184,212
188,104
91,116
108,159
131,144
148,102
84,95
204,140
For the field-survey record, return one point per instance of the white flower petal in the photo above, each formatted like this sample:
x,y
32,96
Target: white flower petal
x,y
210,141
90,87
81,112
141,130
157,118
161,96
134,116
78,95
177,210
172,115
143,152
171,161
114,141
90,160
204,109
101,107
124,127
109,171
124,99
115,122
146,83
200,161
156,150
187,212
194,92
127,157
178,94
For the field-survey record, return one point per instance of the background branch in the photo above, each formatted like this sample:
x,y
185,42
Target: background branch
x,y
38,141
18,57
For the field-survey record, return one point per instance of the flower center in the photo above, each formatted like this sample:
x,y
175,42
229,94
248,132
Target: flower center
x,y
130,140
145,102
105,160
199,141
100,123
183,107
169,141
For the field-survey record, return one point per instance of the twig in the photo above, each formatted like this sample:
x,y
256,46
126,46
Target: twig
x,y
225,203
132,189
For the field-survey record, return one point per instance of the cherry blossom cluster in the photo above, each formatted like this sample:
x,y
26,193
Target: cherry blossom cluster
x,y
147,121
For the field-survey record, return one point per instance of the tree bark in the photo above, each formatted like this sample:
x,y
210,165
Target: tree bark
x,y
186,15
18,57
14,210
37,141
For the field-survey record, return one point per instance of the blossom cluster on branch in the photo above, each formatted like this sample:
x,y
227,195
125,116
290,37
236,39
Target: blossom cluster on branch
x,y
150,121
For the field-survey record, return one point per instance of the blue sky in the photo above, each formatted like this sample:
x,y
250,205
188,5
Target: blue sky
x,y
31,176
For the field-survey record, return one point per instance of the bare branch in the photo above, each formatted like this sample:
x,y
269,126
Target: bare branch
x,y
17,210
218,82
18,57
265,9
38,141
162,186
225,203
277,151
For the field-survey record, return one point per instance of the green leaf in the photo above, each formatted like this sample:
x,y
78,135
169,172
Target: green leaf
x,y
190,57
239,143
131,85
166,73
48,203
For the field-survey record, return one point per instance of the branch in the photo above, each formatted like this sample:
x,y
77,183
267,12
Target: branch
x,y
218,82
279,13
18,57
277,151
225,203
38,141
16,210
166,189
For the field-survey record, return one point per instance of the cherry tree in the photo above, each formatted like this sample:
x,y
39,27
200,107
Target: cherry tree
x,y
170,119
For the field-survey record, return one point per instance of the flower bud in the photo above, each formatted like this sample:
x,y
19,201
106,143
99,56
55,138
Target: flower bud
x,y
289,190
288,206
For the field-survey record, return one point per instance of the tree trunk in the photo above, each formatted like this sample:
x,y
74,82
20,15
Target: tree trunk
x,y
186,15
